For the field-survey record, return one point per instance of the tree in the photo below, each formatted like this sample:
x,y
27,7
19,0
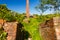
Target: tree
x,y
48,4
6,14
3,10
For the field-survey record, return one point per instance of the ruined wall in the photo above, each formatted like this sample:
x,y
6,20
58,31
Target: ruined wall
x,y
2,22
56,21
13,30
10,28
50,29
47,30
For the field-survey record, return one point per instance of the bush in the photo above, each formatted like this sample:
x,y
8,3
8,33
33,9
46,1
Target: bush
x,y
32,28
2,34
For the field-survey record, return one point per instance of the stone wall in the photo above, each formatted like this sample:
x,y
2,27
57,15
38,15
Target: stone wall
x,y
13,30
47,30
10,28
2,22
56,21
50,29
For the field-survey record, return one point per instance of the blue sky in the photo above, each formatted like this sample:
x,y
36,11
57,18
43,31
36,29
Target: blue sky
x,y
20,6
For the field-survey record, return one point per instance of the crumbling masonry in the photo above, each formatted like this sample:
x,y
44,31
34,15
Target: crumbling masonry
x,y
50,29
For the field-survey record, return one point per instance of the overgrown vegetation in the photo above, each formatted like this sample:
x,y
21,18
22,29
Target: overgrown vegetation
x,y
33,25
2,34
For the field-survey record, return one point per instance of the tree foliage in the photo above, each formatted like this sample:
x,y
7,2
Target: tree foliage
x,y
9,15
48,4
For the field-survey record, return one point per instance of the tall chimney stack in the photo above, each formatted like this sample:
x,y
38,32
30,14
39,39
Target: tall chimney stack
x,y
27,9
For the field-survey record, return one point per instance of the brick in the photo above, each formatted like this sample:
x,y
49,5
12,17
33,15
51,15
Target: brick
x,y
47,30
57,27
10,28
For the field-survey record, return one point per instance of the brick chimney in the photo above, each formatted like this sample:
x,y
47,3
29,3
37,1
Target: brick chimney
x,y
27,9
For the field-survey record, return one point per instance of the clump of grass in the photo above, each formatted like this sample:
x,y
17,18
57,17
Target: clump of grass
x,y
32,28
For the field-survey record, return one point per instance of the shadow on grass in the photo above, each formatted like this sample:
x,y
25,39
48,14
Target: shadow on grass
x,y
21,35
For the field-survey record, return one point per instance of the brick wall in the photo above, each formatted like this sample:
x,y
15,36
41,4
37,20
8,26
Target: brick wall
x,y
10,28
56,21
47,30
50,29
1,22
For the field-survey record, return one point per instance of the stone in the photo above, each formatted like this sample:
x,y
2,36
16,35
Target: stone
x,y
2,22
10,28
57,27
47,30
